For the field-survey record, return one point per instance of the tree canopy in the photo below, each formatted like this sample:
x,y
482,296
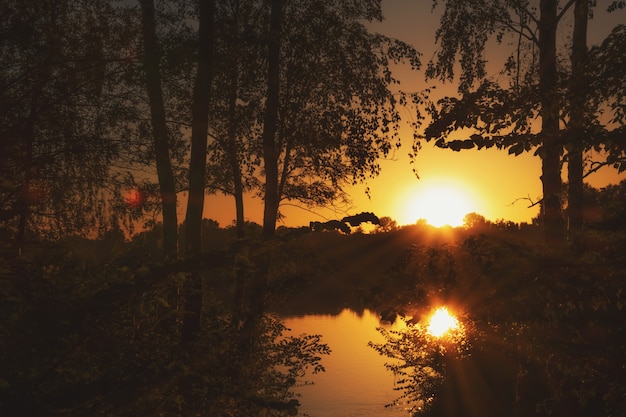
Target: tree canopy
x,y
338,103
63,121
502,114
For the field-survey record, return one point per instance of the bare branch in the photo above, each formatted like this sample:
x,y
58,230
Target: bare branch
x,y
597,165
569,4
529,199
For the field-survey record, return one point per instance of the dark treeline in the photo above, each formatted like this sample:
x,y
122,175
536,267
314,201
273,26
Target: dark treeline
x,y
111,110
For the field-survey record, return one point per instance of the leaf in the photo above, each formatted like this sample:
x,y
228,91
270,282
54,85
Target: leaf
x,y
457,145
441,143
516,149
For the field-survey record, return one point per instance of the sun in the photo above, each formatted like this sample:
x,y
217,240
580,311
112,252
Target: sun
x,y
442,322
440,205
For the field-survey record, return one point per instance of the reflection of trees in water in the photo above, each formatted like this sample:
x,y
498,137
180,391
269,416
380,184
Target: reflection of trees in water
x,y
242,364
254,373
85,335
251,366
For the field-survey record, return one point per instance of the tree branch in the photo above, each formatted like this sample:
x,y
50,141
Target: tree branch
x,y
529,199
569,4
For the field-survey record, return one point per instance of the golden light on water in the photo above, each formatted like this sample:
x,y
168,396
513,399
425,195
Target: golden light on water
x,y
442,322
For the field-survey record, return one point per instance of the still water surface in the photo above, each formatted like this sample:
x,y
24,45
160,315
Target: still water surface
x,y
356,382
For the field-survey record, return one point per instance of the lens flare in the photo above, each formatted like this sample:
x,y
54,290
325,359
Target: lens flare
x,y
442,322
135,198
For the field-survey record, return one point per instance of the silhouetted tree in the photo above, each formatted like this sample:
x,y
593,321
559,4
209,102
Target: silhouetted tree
x,y
61,121
160,133
465,31
387,224
577,120
502,115
549,112
237,102
270,121
474,221
200,125
606,208
364,217
607,91
336,111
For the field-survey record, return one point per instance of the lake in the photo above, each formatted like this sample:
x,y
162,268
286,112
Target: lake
x,y
356,382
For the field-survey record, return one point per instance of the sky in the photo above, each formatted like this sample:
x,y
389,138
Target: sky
x,y
489,182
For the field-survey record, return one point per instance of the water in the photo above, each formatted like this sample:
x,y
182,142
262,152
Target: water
x,y
356,382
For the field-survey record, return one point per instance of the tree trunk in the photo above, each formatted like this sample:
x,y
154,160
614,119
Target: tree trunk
x,y
232,150
23,204
192,288
577,118
552,148
200,127
270,125
159,129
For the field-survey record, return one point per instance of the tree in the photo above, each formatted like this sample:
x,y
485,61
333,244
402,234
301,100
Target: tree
x,y
336,113
577,122
606,82
387,224
182,45
474,221
238,102
506,123
270,121
549,111
167,187
60,117
538,87
199,126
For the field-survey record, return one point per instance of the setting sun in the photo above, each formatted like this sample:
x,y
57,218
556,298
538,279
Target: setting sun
x,y
440,205
442,322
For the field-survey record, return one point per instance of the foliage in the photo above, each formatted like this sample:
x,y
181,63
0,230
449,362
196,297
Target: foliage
x,y
84,333
501,115
547,327
238,91
604,67
419,363
338,110
61,113
387,224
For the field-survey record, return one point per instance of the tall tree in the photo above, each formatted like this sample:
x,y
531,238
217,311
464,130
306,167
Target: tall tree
x,y
200,126
552,147
238,95
577,117
502,116
270,121
340,104
167,187
197,165
233,152
337,105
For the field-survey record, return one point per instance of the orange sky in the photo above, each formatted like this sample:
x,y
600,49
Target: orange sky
x,y
491,179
